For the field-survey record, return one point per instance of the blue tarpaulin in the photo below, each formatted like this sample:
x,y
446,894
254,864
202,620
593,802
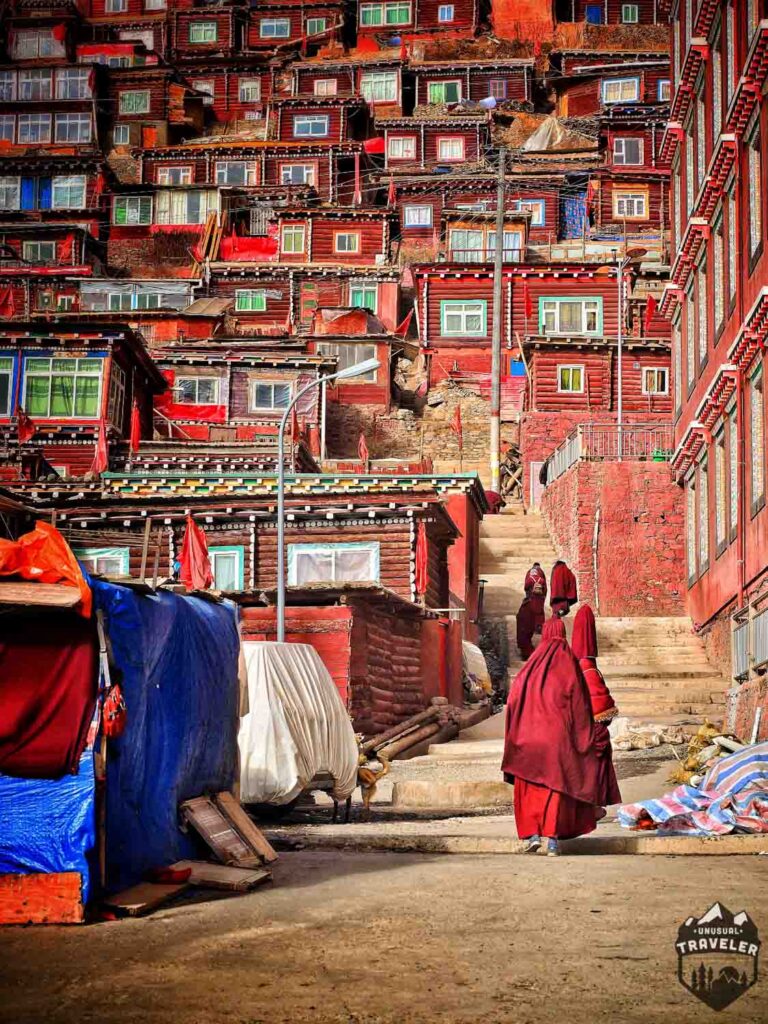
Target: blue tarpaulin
x,y
179,658
573,211
48,824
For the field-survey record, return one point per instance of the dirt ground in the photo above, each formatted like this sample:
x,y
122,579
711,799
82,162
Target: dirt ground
x,y
398,939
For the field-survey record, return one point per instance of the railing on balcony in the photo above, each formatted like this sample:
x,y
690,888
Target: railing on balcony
x,y
609,442
484,255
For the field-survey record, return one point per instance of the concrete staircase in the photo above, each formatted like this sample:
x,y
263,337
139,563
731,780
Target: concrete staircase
x,y
655,667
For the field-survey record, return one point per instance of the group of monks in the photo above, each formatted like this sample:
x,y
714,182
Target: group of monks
x,y
557,747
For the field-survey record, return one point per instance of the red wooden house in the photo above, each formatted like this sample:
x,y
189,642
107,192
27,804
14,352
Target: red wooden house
x,y
319,118
609,12
49,108
274,24
152,106
233,89
406,17
350,336
378,77
205,31
70,381
122,22
590,81
452,81
427,141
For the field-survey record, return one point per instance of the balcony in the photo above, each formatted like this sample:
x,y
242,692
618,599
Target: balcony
x,y
607,442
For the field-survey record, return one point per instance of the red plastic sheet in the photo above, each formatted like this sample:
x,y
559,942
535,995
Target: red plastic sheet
x,y
236,248
165,404
374,145
43,556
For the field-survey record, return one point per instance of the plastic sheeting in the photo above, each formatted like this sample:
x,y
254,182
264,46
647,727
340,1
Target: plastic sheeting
x,y
297,726
179,662
48,824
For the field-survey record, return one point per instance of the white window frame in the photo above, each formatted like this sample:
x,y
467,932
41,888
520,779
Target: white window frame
x,y
354,236
138,210
180,399
550,306
369,289
32,251
402,142
316,26
268,28
73,84
451,141
253,406
629,204
202,32
536,207
207,86
41,122
249,90
8,85
227,552
175,175
34,78
386,14
91,557
34,43
66,122
171,206
10,187
7,364
350,354
620,151
293,232
446,13
68,182
115,6
311,120
31,371
664,90
250,172
655,380
420,219
379,86
440,86
569,370
325,87
8,127
330,551
308,176
462,310
134,101
630,14
121,135
620,83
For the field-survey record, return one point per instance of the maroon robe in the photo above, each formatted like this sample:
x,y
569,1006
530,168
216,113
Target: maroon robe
x,y
563,592
584,644
531,615
549,742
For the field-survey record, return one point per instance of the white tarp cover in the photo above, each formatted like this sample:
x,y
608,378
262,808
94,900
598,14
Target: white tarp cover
x,y
296,725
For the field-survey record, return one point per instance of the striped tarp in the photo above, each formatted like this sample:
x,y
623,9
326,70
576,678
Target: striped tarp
x,y
732,798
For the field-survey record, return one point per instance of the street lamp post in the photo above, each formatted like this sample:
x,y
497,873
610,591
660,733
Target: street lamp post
x,y
350,371
630,257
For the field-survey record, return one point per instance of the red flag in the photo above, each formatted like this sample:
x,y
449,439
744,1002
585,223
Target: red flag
x,y
294,425
391,193
422,559
289,323
527,304
403,49
457,428
135,438
650,311
402,328
362,450
7,302
195,563
101,458
24,425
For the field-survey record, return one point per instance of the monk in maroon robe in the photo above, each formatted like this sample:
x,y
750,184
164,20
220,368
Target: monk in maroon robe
x,y
584,646
549,745
563,592
531,614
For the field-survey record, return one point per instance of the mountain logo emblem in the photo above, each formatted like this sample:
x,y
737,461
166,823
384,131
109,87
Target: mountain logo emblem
x,y
717,955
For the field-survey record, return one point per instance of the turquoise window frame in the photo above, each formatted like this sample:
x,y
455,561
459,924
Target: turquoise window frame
x,y
300,549
573,298
232,549
447,304
123,553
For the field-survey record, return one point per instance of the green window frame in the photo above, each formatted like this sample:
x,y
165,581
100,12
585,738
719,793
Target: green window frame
x,y
551,315
132,210
6,384
250,300
458,316
233,556
91,557
134,101
448,91
364,294
62,388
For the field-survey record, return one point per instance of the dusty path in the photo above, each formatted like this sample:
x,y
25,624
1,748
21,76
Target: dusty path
x,y
398,939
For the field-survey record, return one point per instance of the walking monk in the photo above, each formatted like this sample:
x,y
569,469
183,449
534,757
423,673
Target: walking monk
x,y
584,646
563,593
531,614
549,746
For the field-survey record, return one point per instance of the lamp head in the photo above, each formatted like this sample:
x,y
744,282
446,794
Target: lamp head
x,y
367,366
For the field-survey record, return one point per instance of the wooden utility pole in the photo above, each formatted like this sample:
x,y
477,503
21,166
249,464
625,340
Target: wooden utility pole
x,y
498,265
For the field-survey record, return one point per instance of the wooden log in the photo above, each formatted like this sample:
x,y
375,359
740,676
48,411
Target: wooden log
x,y
51,595
401,728
55,898
235,814
393,749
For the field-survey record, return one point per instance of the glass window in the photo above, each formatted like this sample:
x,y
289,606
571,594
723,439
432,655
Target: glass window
x,y
269,395
703,515
236,172
628,151
315,26
364,294
690,526
250,300
293,238
7,127
690,339
203,32
537,209
116,6
621,90
132,210
116,401
134,101
719,272
756,441
297,174
333,563
27,44
104,561
467,245
174,175
34,128
450,149
379,86
402,148
346,241
570,316
275,28
10,193
121,135
717,90
632,205
733,471
754,184
249,90
385,14
721,484
62,388
678,357
39,252
690,170
192,207
444,92
326,87
196,390
445,13
227,567
512,245
68,192
732,250
630,14
463,318
570,379
310,125
7,86
417,216
730,51
664,90
498,88
655,380
350,355
73,84
73,127
35,84
155,5
703,318
6,384
207,87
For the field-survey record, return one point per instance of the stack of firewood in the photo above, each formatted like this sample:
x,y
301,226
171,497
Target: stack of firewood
x,y
436,724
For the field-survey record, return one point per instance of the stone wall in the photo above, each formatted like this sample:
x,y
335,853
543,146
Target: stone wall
x,y
620,526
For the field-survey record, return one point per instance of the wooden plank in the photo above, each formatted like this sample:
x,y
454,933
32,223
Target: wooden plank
x,y
231,808
221,876
219,833
143,898
52,595
55,898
